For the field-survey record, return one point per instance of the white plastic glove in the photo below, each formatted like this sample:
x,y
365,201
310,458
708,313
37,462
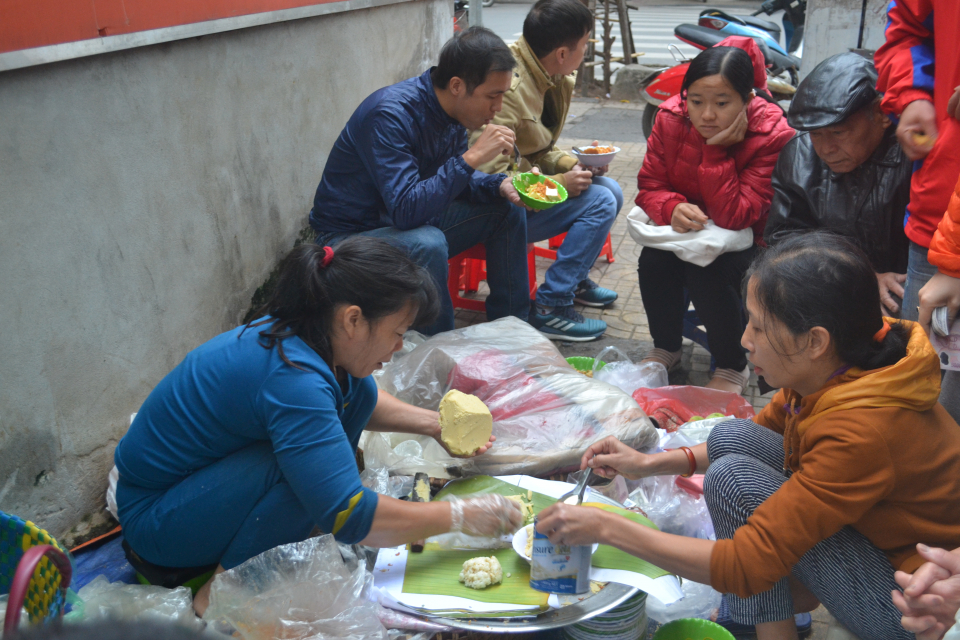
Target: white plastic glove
x,y
487,515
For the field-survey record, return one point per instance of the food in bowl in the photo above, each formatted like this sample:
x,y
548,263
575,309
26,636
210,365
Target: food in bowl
x,y
598,150
538,191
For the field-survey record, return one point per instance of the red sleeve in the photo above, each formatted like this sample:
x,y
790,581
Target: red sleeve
x,y
905,62
739,200
655,197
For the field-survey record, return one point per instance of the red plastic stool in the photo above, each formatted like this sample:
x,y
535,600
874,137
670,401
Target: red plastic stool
x,y
555,242
467,269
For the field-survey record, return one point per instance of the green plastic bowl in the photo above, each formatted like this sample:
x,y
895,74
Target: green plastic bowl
x,y
523,180
692,629
583,363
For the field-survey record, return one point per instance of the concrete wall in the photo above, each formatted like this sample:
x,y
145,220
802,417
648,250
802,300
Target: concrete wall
x,y
833,26
144,196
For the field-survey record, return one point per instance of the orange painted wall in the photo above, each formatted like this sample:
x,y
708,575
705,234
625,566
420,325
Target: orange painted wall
x,y
25,24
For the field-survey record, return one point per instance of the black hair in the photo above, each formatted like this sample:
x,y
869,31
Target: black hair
x,y
471,55
733,64
552,24
110,630
820,279
366,272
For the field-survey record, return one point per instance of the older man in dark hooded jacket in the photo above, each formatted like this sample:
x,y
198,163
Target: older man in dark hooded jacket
x,y
845,170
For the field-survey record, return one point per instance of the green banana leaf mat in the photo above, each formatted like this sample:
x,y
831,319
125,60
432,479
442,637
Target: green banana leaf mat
x,y
435,571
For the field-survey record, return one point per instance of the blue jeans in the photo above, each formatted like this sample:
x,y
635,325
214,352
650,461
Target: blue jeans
x,y
919,272
586,219
500,227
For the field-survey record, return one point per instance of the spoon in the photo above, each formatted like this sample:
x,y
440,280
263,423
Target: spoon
x,y
581,487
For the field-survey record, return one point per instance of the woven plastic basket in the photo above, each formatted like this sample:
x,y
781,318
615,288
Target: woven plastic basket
x,y
42,594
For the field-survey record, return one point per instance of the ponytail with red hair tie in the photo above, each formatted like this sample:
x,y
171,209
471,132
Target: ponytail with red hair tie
x,y
882,333
327,257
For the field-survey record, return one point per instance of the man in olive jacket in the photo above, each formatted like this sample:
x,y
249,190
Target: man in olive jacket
x,y
555,36
845,171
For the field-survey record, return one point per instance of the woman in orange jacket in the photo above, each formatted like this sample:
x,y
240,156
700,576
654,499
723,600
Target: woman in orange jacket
x,y
826,494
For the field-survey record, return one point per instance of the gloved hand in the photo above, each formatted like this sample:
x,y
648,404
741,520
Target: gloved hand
x,y
487,515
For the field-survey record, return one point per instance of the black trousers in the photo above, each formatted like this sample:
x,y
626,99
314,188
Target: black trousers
x,y
714,291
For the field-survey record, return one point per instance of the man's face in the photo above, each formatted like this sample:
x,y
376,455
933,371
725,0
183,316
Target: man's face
x,y
847,145
571,58
473,109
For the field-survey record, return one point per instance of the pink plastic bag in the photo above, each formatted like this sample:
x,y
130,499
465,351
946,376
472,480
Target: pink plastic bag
x,y
674,406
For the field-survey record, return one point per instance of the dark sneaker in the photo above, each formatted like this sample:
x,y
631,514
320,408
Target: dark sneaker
x,y
590,294
564,323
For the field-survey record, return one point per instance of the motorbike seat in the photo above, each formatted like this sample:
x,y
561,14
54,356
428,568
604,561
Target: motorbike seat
x,y
703,38
770,27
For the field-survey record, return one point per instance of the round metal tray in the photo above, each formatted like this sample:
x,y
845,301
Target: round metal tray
x,y
612,596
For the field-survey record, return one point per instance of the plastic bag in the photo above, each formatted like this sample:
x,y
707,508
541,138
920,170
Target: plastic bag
x,y
545,413
673,509
117,600
674,406
381,482
297,591
698,601
622,373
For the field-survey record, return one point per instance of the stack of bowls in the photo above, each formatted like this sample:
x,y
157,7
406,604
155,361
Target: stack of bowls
x,y
626,622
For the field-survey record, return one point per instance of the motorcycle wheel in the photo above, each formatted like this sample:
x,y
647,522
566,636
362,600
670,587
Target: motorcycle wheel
x,y
488,3
649,115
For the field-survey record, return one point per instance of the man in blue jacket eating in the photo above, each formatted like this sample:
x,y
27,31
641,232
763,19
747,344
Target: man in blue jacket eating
x,y
401,170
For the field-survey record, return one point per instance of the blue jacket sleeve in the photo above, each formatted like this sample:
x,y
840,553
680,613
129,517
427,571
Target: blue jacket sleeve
x,y
314,453
388,155
483,187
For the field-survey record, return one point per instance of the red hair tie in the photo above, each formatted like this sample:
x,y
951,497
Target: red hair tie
x,y
328,256
884,330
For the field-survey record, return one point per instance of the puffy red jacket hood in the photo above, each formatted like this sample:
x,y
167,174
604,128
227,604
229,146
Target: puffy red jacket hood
x,y
731,184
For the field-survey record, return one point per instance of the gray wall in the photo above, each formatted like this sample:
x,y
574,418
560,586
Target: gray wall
x,y
144,196
833,26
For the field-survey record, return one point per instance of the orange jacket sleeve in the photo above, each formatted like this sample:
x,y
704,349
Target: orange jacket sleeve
x,y
847,469
945,247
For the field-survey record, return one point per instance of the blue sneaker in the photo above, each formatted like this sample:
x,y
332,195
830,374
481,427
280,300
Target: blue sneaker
x,y
564,323
590,294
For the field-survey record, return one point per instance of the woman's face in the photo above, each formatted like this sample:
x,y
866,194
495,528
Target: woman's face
x,y
361,347
759,338
713,105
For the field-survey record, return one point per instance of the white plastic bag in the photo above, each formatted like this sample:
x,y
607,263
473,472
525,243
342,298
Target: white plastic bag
x,y
545,413
298,591
672,509
699,601
622,373
116,600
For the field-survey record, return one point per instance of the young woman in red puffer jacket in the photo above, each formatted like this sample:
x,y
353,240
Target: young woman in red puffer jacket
x,y
710,157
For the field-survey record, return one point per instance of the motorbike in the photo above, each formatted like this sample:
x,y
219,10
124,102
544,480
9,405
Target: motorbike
x,y
715,25
460,9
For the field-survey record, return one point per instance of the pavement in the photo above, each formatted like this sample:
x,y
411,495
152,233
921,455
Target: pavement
x,y
619,124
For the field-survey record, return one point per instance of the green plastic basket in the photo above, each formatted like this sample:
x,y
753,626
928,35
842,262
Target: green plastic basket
x,y
523,180
692,629
583,363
